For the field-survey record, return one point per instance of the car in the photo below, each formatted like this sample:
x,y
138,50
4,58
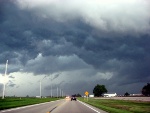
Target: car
x,y
67,97
73,98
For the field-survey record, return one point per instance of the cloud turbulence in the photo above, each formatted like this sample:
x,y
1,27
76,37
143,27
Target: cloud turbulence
x,y
77,44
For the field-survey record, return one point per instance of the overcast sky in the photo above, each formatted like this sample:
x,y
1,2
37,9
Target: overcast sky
x,y
76,44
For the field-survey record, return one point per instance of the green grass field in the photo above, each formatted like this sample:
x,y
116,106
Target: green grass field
x,y
119,106
17,102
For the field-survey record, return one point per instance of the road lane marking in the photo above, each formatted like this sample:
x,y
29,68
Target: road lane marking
x,y
89,106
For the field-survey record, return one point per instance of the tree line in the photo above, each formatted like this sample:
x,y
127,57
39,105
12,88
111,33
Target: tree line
x,y
99,90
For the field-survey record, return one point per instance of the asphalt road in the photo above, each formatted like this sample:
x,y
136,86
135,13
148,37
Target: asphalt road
x,y
61,106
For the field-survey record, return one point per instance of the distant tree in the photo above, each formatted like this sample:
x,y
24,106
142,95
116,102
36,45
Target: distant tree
x,y
99,90
146,90
78,95
126,94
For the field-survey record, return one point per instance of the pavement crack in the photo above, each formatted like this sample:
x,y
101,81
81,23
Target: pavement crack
x,y
53,109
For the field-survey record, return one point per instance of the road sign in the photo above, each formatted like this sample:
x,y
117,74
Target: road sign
x,y
86,93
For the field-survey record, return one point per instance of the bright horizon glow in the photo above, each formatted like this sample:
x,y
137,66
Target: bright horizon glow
x,y
4,79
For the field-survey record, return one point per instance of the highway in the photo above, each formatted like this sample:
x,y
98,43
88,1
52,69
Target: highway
x,y
60,106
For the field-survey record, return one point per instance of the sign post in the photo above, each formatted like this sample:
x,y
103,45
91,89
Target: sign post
x,y
87,93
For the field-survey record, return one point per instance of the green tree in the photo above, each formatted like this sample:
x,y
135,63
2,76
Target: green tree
x,y
78,95
146,90
99,90
126,94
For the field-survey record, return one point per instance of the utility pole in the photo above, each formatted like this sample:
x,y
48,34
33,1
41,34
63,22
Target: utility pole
x,y
57,92
60,92
51,91
4,82
51,87
41,87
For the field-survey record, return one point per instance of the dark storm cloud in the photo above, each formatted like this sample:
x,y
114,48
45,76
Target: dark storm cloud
x,y
53,64
45,37
11,84
55,76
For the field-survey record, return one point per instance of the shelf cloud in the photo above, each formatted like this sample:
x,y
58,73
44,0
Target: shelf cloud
x,y
80,42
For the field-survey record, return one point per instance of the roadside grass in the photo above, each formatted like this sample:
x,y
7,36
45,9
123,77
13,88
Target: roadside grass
x,y
18,102
119,106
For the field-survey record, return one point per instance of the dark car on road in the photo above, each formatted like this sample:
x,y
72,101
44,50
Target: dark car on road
x,y
73,98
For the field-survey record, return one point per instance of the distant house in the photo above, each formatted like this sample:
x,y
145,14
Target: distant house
x,y
136,95
91,95
38,96
110,94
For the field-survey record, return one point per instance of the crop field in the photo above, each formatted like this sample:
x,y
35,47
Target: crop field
x,y
119,106
18,102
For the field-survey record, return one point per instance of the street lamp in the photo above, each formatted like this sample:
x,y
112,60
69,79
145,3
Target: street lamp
x,y
41,86
5,80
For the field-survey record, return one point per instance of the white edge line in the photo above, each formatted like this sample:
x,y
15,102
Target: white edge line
x,y
88,106
25,107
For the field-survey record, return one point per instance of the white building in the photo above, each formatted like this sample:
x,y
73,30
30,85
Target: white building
x,y
110,94
91,95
